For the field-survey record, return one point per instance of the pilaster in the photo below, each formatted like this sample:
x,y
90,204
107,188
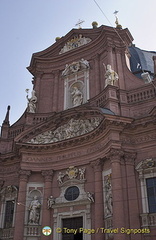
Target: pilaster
x,y
133,208
20,210
46,217
99,217
115,156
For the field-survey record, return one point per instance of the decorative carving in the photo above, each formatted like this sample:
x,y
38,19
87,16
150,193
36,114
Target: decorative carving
x,y
47,174
71,173
82,173
129,157
108,195
50,202
9,191
75,67
71,129
75,42
32,102
90,197
60,177
115,154
24,174
146,166
111,77
34,214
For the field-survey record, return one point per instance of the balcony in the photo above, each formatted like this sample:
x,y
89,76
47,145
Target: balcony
x,y
148,219
32,231
7,233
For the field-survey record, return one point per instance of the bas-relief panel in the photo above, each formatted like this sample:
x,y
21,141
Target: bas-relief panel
x,y
74,128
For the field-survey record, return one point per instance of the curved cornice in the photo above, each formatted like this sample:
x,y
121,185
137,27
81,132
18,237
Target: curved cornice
x,y
57,120
101,36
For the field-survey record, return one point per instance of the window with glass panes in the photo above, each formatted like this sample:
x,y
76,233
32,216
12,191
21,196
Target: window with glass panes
x,y
151,194
9,212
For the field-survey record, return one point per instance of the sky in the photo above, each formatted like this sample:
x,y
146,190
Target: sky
x,y
29,26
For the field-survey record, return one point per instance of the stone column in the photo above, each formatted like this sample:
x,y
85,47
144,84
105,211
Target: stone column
x,y
99,216
20,210
117,192
133,208
46,213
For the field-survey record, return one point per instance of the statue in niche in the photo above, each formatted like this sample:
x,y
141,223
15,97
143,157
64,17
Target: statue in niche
x,y
111,77
77,97
82,173
50,202
34,211
32,102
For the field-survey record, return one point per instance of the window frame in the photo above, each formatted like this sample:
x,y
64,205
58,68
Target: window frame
x,y
146,170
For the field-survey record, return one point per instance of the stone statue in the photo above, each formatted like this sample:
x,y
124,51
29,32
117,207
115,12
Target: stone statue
x,y
77,97
32,102
90,197
74,128
111,77
108,196
60,177
50,202
82,173
34,211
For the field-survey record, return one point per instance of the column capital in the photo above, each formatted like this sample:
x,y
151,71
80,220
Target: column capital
x,y
47,174
97,165
24,174
130,157
115,154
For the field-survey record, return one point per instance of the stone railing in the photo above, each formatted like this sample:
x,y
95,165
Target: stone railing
x,y
15,132
7,233
141,95
148,219
32,231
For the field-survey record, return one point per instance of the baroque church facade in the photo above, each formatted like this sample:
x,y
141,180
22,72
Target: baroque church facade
x,y
81,160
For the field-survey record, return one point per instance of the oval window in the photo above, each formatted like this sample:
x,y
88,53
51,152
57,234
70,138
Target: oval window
x,y
71,193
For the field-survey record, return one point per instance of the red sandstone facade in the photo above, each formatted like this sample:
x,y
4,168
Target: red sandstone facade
x,y
93,156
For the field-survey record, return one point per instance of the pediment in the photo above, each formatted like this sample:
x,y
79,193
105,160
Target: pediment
x,y
72,128
71,41
60,127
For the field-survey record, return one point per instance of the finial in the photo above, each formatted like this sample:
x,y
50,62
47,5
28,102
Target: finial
x,y
94,24
57,38
6,120
79,23
118,26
